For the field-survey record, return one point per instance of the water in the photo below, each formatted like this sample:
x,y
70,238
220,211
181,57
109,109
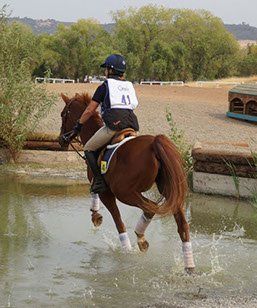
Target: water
x,y
52,256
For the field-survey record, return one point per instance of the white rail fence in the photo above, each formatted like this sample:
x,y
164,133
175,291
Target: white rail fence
x,y
218,83
53,80
196,83
163,83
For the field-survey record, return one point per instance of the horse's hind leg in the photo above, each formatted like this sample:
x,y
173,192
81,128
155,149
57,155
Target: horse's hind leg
x,y
183,230
140,228
109,201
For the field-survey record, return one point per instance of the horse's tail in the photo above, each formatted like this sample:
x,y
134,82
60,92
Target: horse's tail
x,y
171,180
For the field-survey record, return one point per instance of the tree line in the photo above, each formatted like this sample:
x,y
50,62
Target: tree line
x,y
159,44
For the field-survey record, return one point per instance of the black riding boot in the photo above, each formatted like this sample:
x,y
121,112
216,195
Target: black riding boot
x,y
99,185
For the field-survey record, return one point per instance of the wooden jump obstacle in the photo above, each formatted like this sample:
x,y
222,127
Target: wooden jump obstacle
x,y
47,142
224,168
243,102
44,149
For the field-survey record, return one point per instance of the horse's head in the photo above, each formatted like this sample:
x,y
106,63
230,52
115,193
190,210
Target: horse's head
x,y
72,111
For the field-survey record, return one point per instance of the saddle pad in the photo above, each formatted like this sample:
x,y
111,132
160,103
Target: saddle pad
x,y
109,152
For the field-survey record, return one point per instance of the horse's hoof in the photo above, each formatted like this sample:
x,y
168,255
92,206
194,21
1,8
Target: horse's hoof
x,y
97,219
143,246
190,270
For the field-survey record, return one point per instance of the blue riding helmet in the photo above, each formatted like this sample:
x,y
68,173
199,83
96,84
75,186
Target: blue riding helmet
x,y
116,62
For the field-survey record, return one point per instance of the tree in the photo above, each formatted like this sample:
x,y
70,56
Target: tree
x,y
77,50
135,33
170,43
247,65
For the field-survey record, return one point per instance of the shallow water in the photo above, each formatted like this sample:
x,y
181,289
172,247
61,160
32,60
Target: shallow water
x,y
52,256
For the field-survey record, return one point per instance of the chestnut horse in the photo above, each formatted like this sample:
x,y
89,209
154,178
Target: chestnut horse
x,y
134,168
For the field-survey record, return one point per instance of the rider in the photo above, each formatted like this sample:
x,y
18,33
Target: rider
x,y
117,99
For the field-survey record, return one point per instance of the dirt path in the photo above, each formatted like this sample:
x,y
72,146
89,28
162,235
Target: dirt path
x,y
199,112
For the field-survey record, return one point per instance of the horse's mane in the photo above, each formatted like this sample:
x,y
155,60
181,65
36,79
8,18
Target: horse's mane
x,y
82,98
85,98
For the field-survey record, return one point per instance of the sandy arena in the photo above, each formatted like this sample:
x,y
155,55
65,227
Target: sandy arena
x,y
199,111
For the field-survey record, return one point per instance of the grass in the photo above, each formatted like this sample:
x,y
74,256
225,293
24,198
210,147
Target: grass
x,y
235,177
254,193
177,136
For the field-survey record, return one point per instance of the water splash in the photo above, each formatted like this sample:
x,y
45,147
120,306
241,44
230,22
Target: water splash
x,y
237,232
215,262
108,238
30,265
188,212
9,301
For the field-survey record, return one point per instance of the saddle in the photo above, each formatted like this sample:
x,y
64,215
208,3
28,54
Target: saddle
x,y
121,135
108,151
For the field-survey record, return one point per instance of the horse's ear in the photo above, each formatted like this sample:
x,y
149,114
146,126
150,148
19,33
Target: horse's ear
x,y
65,98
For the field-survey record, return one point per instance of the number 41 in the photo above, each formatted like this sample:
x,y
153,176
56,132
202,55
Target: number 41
x,y
125,100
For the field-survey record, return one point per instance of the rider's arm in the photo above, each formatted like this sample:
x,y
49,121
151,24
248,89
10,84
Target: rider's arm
x,y
88,112
97,99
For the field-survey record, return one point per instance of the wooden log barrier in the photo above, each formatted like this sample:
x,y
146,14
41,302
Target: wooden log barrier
x,y
46,141
225,159
225,169
49,145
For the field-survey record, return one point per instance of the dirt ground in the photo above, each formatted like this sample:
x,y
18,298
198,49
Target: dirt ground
x,y
199,111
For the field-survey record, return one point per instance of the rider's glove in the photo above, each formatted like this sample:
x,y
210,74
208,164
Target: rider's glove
x,y
68,137
77,128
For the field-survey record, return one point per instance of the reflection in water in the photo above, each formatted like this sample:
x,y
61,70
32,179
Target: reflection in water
x,y
224,216
52,256
19,223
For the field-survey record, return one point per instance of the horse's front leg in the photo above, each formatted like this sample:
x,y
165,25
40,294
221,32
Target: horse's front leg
x,y
96,217
109,201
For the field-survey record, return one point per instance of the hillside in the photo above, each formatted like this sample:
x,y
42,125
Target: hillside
x,y
49,26
241,32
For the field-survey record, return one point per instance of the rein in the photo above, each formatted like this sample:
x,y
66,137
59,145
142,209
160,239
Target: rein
x,y
66,135
83,157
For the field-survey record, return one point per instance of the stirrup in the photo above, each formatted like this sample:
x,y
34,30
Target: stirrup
x,y
98,186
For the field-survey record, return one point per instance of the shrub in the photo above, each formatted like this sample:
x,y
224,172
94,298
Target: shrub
x,y
178,137
22,103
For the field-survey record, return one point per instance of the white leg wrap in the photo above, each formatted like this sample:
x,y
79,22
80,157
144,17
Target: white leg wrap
x,y
95,205
142,224
125,241
188,255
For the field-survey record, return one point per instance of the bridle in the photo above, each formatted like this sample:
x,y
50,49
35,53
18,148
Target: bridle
x,y
66,136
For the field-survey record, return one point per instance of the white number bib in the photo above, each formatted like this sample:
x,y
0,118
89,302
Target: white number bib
x,y
122,94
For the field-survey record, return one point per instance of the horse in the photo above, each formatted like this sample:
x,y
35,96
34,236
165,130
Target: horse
x,y
136,165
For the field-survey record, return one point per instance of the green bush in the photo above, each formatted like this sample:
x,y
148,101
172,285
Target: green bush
x,y
22,103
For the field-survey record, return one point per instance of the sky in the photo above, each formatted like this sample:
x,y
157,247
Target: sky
x,y
230,11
